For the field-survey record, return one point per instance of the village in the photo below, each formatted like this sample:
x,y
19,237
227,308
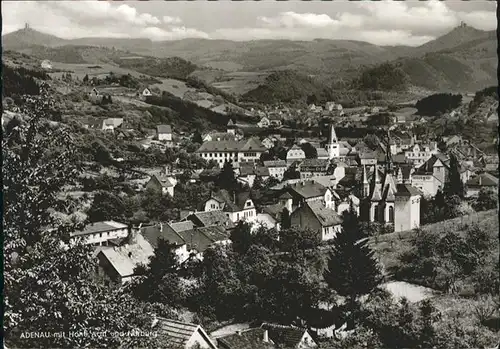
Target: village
x,y
244,225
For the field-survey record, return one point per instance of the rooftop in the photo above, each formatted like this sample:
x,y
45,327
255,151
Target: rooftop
x,y
249,339
201,238
307,189
126,258
484,179
100,227
210,218
286,336
164,129
326,216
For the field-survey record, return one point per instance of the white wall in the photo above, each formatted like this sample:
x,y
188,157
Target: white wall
x,y
165,137
102,238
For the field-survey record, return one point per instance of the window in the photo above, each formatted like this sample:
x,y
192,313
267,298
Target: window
x,y
391,214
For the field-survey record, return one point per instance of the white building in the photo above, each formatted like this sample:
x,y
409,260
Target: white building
x,y
164,133
232,151
295,154
420,153
100,233
237,207
276,168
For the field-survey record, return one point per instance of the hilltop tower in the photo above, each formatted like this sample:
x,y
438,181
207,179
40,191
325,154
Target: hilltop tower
x,y
333,146
26,26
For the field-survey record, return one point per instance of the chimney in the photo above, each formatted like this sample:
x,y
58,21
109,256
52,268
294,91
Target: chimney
x,y
480,179
265,338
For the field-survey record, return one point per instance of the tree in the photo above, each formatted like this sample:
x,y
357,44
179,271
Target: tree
x,y
285,219
352,270
107,206
309,150
258,183
291,173
454,184
158,280
50,285
312,99
487,199
241,238
226,179
197,137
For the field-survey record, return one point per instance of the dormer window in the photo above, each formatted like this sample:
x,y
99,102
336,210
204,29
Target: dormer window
x,y
248,203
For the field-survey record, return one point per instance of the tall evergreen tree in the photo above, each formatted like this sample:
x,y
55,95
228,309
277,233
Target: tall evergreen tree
x,y
159,281
352,270
454,185
285,219
226,179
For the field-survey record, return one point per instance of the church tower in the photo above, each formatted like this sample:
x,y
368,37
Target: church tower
x,y
366,184
333,146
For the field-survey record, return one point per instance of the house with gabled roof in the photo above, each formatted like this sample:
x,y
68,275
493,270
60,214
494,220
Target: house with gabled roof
x,y
308,191
164,133
268,142
431,175
210,218
117,264
315,216
295,154
182,334
276,168
146,93
237,206
163,184
171,234
247,174
199,239
289,336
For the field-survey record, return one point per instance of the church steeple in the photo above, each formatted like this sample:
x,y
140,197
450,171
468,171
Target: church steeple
x,y
332,146
389,166
332,136
366,185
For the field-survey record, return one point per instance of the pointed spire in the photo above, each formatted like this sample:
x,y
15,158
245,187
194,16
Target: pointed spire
x,y
365,177
333,135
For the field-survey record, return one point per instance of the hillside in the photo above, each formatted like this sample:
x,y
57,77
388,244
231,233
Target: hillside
x,y
462,60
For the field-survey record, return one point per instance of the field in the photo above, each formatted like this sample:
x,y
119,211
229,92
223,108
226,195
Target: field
x,y
81,70
175,87
239,83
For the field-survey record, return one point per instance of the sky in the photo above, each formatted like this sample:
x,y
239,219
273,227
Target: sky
x,y
382,23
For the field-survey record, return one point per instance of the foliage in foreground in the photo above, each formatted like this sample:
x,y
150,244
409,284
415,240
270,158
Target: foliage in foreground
x,y
49,284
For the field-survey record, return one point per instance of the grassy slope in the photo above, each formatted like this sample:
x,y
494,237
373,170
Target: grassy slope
x,y
389,246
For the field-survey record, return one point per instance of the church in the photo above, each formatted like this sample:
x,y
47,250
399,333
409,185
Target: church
x,y
333,146
386,201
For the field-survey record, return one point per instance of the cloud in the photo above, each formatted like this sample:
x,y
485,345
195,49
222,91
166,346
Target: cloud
x,y
479,19
73,19
377,22
297,20
171,20
175,33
